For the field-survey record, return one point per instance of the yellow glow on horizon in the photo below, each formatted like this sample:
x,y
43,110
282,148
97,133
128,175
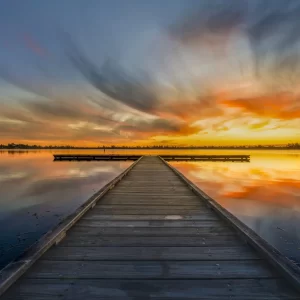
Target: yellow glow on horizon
x,y
224,119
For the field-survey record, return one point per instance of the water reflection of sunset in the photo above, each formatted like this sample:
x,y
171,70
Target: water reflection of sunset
x,y
37,193
265,194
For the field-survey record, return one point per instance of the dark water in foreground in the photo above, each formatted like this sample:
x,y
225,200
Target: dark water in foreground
x,y
36,193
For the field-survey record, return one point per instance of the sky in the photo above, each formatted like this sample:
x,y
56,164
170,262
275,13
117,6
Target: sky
x,y
137,72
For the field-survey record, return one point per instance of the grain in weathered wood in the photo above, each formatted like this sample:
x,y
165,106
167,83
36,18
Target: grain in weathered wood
x,y
152,231
146,202
149,197
151,269
151,223
150,192
79,240
150,205
164,207
150,253
204,216
148,211
192,199
162,210
91,289
132,183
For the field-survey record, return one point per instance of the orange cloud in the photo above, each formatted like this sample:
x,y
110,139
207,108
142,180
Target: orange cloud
x,y
190,111
275,184
281,106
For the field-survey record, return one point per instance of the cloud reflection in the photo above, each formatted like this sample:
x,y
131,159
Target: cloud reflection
x,y
264,194
47,192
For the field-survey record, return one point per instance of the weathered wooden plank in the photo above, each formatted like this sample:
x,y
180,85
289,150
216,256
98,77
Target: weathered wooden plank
x,y
147,202
150,192
150,253
166,183
151,269
152,176
152,231
41,289
151,223
158,170
144,177
146,188
205,216
77,239
184,198
126,210
187,208
157,204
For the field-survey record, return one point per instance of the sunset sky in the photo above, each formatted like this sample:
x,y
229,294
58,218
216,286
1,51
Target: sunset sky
x,y
173,72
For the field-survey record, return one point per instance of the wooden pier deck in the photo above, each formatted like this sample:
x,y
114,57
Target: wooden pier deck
x,y
152,236
104,157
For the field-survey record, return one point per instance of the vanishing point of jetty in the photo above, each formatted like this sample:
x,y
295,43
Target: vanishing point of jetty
x,y
151,234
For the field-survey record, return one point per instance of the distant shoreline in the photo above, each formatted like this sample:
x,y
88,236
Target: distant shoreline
x,y
142,148
15,146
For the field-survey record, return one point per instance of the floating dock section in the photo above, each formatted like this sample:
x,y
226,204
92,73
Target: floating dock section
x,y
243,158
151,234
89,157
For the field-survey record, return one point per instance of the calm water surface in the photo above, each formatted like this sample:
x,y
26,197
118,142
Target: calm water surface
x,y
36,193
264,194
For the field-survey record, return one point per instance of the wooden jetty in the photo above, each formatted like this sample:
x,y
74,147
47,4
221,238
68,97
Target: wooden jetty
x,y
242,158
71,157
88,157
151,234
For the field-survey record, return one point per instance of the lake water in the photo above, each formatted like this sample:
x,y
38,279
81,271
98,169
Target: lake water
x,y
36,192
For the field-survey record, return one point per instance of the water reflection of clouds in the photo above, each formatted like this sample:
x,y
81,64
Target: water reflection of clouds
x,y
265,194
36,193
5,177
39,179
76,172
274,182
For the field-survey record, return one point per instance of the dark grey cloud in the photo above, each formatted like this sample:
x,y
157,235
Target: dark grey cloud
x,y
212,17
157,125
271,27
73,119
114,80
50,119
20,82
274,35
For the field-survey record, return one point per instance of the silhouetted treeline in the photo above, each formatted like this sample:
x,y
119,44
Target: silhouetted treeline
x,y
26,146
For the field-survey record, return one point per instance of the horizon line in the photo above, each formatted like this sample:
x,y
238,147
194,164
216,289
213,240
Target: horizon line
x,y
35,146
